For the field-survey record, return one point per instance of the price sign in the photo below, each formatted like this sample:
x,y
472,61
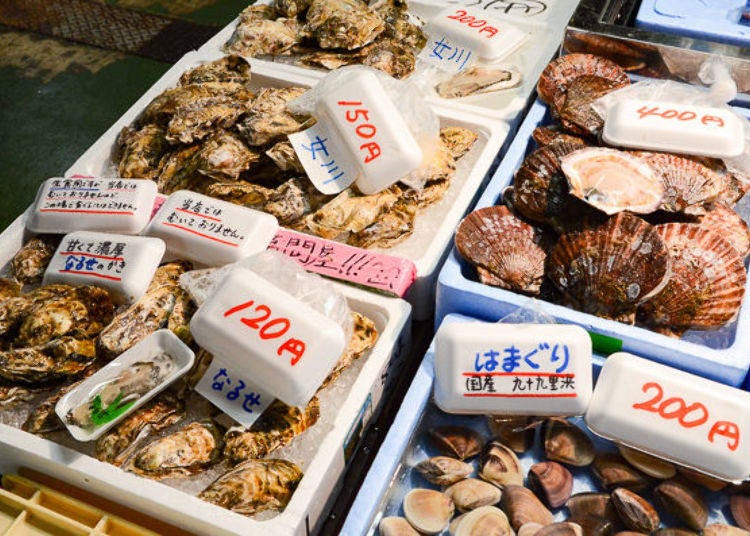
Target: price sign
x,y
234,394
122,264
682,128
513,369
263,333
672,414
539,9
76,204
210,231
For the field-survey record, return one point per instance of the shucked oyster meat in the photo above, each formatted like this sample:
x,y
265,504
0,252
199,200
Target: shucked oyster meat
x,y
478,79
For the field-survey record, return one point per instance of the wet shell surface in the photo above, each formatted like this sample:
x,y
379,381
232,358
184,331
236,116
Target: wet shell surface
x,y
684,501
472,493
522,506
457,441
650,465
427,510
513,431
568,444
444,470
396,526
614,472
500,465
483,521
552,482
610,270
612,180
577,114
498,241
727,223
557,76
707,283
635,512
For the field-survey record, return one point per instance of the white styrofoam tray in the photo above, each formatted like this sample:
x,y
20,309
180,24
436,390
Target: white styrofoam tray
x,y
434,225
546,21
321,481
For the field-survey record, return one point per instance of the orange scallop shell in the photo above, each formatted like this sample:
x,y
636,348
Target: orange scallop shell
x,y
730,226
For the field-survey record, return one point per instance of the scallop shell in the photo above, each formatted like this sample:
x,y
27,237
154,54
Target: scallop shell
x,y
707,282
556,78
547,136
727,223
610,270
500,242
577,114
612,180
689,186
539,187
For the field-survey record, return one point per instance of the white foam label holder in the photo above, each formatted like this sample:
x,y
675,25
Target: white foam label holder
x,y
235,395
673,127
459,37
209,231
265,335
512,369
360,137
672,414
122,264
78,204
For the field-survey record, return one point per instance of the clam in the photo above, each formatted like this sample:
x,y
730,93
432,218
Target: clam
x,y
739,505
719,529
727,223
594,504
522,506
472,493
614,472
674,532
565,528
683,501
552,482
484,521
444,470
568,444
707,283
499,465
634,511
498,241
515,432
594,526
427,510
612,181
708,482
650,465
457,441
529,529
477,80
610,270
396,526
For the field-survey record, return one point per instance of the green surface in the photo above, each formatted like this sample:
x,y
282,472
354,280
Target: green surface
x,y
49,118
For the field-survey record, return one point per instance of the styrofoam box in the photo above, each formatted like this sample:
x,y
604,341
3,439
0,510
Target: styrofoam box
x,y
433,228
722,355
687,24
545,21
391,474
317,489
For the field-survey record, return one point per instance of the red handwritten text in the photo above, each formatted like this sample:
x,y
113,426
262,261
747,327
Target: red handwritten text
x,y
364,130
472,22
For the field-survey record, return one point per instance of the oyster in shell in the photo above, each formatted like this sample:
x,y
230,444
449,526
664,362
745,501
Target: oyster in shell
x,y
391,56
169,274
278,425
185,452
730,226
289,202
458,140
162,412
255,486
292,8
498,241
399,25
578,114
30,262
478,79
364,336
346,24
12,395
230,68
612,180
328,59
431,193
610,270
179,171
140,151
43,419
14,309
224,156
268,118
707,283
259,12
55,360
560,73
9,288
283,155
255,36
241,193
390,228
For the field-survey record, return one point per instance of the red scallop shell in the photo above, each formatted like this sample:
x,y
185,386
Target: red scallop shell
x,y
730,226
577,113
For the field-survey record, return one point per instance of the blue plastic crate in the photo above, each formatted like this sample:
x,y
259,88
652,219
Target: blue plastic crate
x,y
722,355
391,473
686,22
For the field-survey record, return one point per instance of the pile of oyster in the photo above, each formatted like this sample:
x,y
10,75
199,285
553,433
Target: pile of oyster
x,y
626,235
478,487
331,34
212,135
54,336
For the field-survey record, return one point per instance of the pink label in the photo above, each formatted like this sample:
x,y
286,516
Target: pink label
x,y
158,202
393,275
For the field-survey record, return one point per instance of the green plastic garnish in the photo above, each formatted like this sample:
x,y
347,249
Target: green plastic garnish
x,y
101,415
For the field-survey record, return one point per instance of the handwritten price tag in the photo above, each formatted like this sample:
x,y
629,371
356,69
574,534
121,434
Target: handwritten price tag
x,y
512,8
325,158
264,333
122,264
682,128
518,369
673,414
75,204
234,394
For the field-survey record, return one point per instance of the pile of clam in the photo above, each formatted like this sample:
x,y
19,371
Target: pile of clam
x,y
482,492
626,235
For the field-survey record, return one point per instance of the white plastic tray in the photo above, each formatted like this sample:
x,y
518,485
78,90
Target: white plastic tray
x,y
318,487
434,226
